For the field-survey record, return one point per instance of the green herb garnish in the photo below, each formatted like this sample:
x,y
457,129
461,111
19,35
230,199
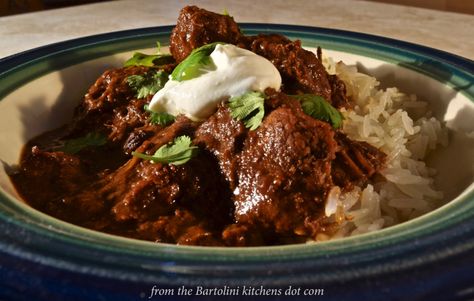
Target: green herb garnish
x,y
149,60
73,146
148,83
161,118
226,13
318,108
249,108
197,63
178,152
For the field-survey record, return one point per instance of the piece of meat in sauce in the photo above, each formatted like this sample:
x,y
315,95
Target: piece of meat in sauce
x,y
181,227
151,194
284,173
197,27
112,107
227,139
300,69
45,179
356,162
223,136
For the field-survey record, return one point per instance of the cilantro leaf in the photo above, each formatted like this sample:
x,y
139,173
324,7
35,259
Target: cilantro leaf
x,y
249,108
149,60
148,83
73,146
178,152
197,63
162,118
318,108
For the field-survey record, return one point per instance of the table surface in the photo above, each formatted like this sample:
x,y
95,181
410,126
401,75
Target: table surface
x,y
451,32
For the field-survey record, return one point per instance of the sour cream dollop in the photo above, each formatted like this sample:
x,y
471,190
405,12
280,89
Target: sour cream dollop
x,y
237,71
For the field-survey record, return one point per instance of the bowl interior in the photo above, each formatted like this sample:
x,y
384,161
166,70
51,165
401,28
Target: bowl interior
x,y
47,101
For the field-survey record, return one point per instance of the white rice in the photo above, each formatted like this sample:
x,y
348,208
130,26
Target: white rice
x,y
401,126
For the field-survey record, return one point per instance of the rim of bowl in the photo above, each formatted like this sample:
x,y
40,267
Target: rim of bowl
x,y
33,235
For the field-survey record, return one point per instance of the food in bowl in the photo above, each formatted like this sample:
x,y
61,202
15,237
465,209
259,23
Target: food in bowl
x,y
234,141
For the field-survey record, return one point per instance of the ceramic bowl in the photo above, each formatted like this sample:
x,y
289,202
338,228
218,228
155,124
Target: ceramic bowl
x,y
49,259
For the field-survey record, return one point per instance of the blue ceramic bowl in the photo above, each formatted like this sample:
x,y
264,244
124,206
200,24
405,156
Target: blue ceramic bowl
x,y
42,258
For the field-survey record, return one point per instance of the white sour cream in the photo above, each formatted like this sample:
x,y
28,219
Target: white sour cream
x,y
237,71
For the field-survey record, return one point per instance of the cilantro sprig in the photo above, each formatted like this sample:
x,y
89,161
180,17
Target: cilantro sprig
x,y
161,118
318,108
197,63
148,83
73,146
178,152
249,108
149,60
